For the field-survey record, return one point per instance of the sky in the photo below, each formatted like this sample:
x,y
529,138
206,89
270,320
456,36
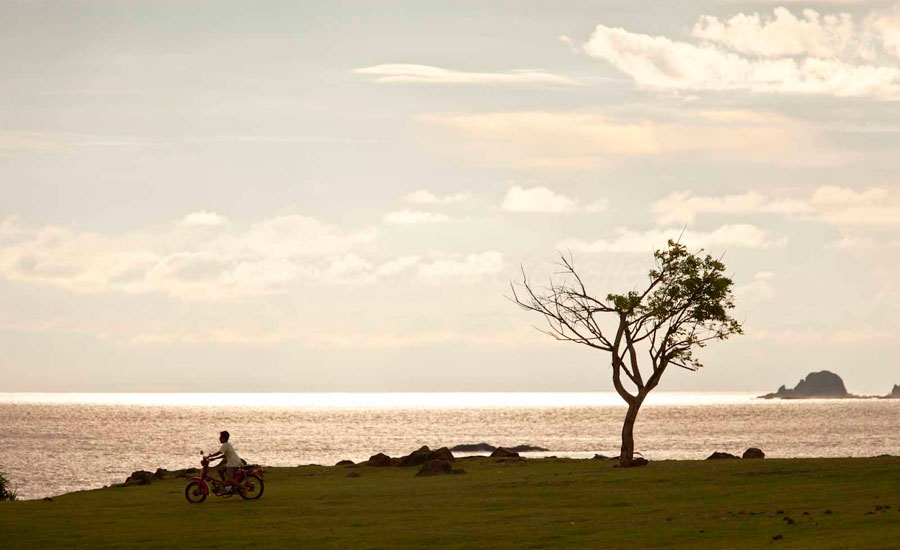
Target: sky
x,y
334,196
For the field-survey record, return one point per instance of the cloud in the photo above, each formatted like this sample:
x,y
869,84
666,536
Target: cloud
x,y
414,217
423,196
874,206
568,42
426,74
682,207
577,140
536,199
861,243
844,206
887,26
204,217
542,200
629,240
782,35
469,269
782,54
225,263
759,289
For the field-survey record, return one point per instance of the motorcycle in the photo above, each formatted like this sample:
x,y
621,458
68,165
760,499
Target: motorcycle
x,y
248,483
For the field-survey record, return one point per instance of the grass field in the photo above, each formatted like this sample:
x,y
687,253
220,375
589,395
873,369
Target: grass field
x,y
550,503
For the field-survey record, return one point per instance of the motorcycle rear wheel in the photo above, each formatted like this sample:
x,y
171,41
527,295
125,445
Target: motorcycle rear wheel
x,y
254,487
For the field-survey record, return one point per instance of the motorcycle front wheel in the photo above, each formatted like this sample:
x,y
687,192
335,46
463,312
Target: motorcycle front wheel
x,y
194,493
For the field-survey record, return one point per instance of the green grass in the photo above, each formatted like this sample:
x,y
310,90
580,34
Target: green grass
x,y
728,504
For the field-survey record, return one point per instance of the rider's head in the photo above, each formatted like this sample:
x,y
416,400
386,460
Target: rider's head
x,y
223,436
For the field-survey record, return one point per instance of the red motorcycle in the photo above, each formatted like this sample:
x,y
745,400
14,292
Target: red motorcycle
x,y
248,483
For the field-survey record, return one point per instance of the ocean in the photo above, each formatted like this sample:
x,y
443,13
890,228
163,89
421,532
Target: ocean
x,y
57,443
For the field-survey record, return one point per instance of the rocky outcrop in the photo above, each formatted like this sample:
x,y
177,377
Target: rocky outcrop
x,y
895,393
140,477
823,384
753,452
424,454
720,456
500,452
344,463
488,448
380,460
473,448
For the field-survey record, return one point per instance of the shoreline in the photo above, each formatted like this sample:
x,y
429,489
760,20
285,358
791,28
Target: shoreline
x,y
162,474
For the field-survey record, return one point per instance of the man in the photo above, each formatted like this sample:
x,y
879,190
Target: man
x,y
230,460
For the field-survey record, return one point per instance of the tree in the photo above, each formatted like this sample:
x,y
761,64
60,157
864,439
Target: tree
x,y
687,303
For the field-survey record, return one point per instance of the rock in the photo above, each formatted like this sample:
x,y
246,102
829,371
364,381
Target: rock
x,y
416,457
354,474
160,473
441,454
500,452
435,468
815,385
47,499
719,456
487,448
895,393
778,537
473,448
638,461
380,460
753,452
344,463
140,477
423,455
527,449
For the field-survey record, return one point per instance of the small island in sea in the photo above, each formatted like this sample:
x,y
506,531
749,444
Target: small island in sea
x,y
823,385
816,385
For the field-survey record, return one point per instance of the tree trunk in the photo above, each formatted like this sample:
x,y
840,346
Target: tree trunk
x,y
626,456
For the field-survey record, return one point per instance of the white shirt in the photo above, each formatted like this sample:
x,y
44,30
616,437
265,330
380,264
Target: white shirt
x,y
232,460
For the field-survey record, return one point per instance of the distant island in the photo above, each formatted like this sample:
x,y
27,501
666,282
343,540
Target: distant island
x,y
822,385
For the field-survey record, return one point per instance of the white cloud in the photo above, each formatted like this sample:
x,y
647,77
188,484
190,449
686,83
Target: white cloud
x,y
426,74
225,263
784,34
784,54
536,199
568,42
629,240
204,217
414,217
874,206
542,200
683,207
472,268
888,27
424,196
